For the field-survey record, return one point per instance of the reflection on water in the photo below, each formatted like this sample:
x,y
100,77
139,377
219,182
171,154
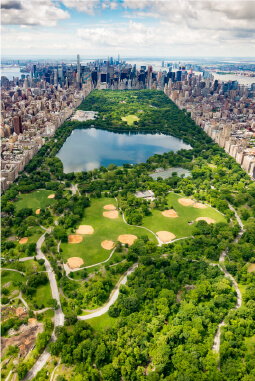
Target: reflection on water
x,y
87,149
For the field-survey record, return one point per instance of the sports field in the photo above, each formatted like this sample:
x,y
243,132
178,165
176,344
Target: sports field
x,y
35,200
130,119
179,226
90,249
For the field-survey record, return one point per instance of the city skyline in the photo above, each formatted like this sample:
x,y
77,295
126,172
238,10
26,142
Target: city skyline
x,y
129,28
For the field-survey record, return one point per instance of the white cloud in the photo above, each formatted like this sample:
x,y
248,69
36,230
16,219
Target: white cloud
x,y
169,27
32,12
86,6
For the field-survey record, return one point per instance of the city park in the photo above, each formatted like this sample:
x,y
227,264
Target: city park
x,y
70,240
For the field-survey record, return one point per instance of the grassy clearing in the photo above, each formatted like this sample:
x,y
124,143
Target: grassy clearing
x,y
41,297
66,372
35,200
130,119
242,288
11,276
102,322
179,226
250,345
26,265
33,266
251,268
90,249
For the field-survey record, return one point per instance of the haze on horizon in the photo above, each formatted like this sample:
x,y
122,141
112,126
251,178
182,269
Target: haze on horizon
x,y
131,28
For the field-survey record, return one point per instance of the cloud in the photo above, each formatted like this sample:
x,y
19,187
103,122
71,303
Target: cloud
x,y
6,4
31,12
86,6
166,27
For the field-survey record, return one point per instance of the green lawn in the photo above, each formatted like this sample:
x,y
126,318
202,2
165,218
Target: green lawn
x,y
36,232
35,200
41,296
102,322
250,345
90,249
130,119
11,276
242,288
33,265
179,226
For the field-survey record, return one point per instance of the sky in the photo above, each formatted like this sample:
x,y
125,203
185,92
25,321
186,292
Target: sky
x,y
131,28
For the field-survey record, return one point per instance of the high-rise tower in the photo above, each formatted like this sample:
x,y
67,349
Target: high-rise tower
x,y
78,78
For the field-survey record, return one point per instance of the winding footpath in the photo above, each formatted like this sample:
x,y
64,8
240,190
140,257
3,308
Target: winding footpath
x,y
216,341
113,297
59,315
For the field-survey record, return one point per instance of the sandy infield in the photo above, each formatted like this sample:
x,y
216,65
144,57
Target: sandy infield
x,y
19,311
32,321
37,211
72,238
198,205
127,238
85,229
170,213
23,240
185,201
108,245
74,262
165,236
113,214
109,207
207,219
51,196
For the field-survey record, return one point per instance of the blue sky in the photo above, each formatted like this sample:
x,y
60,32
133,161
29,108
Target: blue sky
x,y
132,28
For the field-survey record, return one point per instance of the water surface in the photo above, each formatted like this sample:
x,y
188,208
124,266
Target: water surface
x,y
87,149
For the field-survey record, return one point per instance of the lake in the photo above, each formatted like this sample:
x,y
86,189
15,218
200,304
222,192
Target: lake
x,y
87,149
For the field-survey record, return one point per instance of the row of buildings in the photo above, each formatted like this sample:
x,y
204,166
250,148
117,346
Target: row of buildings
x,y
224,110
29,117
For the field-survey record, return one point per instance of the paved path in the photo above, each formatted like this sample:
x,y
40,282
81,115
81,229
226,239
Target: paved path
x,y
216,341
54,370
43,310
113,298
59,316
17,271
74,189
9,375
26,259
237,217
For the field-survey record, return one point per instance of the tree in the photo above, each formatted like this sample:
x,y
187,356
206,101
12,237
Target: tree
x,y
22,370
70,318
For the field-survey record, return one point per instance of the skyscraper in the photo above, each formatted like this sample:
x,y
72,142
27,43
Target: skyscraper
x,y
17,124
78,78
55,77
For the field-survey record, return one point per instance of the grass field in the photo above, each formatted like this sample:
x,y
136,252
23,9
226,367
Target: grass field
x,y
102,322
35,200
179,226
41,296
11,276
90,249
250,344
242,288
26,265
130,119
